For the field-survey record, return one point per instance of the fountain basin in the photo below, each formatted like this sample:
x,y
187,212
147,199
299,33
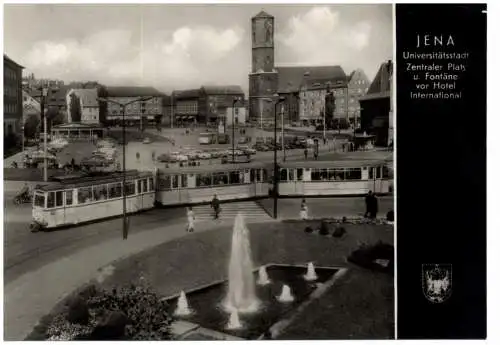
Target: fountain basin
x,y
207,303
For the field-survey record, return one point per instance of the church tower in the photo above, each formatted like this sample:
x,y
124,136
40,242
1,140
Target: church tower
x,y
264,77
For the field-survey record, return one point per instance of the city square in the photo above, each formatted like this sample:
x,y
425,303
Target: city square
x,y
255,209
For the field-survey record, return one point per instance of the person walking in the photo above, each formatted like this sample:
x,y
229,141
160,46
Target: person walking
x,y
374,207
216,207
368,204
303,210
190,219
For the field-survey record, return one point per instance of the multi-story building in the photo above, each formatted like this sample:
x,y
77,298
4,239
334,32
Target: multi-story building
x,y
376,106
83,106
32,83
216,100
357,88
137,113
12,96
302,87
187,107
31,107
168,110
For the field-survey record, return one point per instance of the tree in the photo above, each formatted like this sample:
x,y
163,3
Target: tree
x,y
74,108
329,109
31,126
54,118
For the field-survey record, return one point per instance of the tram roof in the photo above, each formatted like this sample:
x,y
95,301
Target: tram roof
x,y
76,181
333,164
213,168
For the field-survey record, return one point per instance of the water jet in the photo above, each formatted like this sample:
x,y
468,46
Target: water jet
x,y
182,305
263,277
286,295
311,273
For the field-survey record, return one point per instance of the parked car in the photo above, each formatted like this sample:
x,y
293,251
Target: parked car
x,y
247,150
165,158
146,141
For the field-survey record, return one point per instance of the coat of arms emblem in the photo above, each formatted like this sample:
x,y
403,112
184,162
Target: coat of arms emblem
x,y
436,282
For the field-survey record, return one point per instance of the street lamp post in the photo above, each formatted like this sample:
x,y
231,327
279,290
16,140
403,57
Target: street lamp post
x,y
275,181
172,110
124,171
235,100
42,112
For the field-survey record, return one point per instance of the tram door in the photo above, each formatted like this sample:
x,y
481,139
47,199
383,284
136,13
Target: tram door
x,y
377,179
299,181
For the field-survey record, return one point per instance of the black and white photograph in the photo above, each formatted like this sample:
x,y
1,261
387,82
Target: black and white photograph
x,y
213,171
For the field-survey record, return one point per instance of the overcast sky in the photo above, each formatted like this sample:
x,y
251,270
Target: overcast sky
x,y
185,46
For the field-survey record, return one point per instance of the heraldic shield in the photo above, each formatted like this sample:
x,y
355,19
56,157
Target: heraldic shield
x,y
436,282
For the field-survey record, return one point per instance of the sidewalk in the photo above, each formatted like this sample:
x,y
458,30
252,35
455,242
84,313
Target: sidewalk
x,y
337,207
34,294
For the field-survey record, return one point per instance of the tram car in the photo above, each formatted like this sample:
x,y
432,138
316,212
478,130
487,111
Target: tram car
x,y
193,185
75,200
334,178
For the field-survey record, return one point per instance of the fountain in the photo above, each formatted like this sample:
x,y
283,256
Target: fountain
x,y
241,295
311,272
234,321
263,278
286,294
182,305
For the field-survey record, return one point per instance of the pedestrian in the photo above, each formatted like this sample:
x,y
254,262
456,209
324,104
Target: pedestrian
x,y
303,210
368,204
374,207
190,219
305,153
316,155
216,206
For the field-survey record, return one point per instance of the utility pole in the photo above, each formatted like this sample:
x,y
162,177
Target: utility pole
x,y
275,182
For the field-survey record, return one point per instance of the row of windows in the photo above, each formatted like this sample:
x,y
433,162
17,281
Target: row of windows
x,y
11,91
186,108
333,174
10,74
169,182
10,108
94,193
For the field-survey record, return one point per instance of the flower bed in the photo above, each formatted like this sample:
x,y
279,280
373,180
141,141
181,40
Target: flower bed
x,y
131,313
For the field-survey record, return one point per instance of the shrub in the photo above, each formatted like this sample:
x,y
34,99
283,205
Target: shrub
x,y
324,228
339,232
370,256
132,313
308,229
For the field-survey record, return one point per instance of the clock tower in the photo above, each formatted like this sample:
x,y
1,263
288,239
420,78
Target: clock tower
x,y
263,78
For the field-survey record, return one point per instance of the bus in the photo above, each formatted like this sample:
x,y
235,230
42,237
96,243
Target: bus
x,y
207,138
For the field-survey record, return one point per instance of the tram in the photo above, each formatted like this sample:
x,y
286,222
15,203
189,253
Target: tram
x,y
199,184
75,200
334,178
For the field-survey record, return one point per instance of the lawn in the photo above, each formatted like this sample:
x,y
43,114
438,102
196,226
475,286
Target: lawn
x,y
359,306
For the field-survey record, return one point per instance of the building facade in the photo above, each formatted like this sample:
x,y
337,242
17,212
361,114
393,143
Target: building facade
x,y
357,87
140,113
216,100
12,96
31,107
86,102
240,115
376,106
187,105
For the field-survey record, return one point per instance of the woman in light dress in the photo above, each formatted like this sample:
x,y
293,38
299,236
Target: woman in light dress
x,y
303,210
190,219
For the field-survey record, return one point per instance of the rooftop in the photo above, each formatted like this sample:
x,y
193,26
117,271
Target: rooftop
x,y
290,79
87,96
132,91
8,59
263,14
223,90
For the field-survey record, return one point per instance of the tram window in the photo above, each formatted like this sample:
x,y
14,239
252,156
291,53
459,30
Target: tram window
x,y
353,174
84,195
39,200
324,174
100,192
144,185
385,172
300,174
283,174
115,190
339,174
291,174
252,175
151,184
264,175
184,181
175,181
234,177
139,186
130,188
370,172
203,180
220,178
51,200
315,175
59,198
69,197
165,182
